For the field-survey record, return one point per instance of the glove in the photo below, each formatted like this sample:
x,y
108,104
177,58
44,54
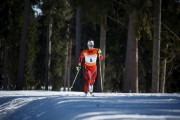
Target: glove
x,y
99,51
78,68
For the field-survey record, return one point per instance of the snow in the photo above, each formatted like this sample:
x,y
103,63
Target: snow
x,y
49,105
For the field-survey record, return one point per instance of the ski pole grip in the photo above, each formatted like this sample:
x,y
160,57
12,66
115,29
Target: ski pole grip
x,y
99,51
78,68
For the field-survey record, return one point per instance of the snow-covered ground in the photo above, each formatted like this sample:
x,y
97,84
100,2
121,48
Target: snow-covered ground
x,y
48,105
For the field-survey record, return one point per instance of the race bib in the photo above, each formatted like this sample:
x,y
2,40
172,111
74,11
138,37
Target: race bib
x,y
91,58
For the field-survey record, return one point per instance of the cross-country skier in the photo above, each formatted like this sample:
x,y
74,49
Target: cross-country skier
x,y
90,67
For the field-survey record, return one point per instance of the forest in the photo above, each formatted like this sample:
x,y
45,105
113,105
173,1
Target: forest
x,y
41,40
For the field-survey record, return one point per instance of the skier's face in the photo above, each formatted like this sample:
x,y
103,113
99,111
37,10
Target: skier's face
x,y
90,46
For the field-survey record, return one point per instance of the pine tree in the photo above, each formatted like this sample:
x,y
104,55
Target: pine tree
x,y
130,82
22,50
156,46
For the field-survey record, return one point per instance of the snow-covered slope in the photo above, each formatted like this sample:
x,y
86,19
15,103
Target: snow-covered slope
x,y
48,105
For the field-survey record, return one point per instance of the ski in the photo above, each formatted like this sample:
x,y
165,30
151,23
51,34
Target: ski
x,y
89,94
92,95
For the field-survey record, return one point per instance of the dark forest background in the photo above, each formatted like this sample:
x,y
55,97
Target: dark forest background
x,y
140,40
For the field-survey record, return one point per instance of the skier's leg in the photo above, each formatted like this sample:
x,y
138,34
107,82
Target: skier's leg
x,y
87,77
93,77
92,81
91,88
85,88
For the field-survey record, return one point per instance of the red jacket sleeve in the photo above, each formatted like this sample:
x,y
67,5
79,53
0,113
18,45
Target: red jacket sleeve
x,y
100,57
80,58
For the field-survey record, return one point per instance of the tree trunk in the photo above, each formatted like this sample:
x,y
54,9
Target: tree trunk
x,y
5,56
69,58
67,77
21,62
78,43
103,48
69,63
48,50
156,47
163,76
66,67
78,32
130,82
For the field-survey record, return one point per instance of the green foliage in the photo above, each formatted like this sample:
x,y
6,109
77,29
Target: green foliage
x,y
170,43
57,59
93,10
40,41
10,28
31,52
61,14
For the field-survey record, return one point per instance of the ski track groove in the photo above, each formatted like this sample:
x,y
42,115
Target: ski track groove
x,y
101,106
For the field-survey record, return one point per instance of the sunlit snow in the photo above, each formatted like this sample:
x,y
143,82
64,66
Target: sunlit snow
x,y
48,105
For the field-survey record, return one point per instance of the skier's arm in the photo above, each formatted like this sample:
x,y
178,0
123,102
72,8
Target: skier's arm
x,y
80,61
101,57
80,58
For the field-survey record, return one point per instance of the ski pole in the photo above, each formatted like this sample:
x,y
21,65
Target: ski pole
x,y
75,79
100,74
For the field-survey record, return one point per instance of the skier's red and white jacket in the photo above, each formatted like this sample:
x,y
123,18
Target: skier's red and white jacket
x,y
90,56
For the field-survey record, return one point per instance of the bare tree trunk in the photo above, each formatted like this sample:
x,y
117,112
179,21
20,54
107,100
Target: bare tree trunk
x,y
21,62
78,32
163,72
78,42
156,47
130,82
163,76
48,50
5,56
67,77
69,63
66,67
103,48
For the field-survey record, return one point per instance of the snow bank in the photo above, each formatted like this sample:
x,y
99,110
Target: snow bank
x,y
49,105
